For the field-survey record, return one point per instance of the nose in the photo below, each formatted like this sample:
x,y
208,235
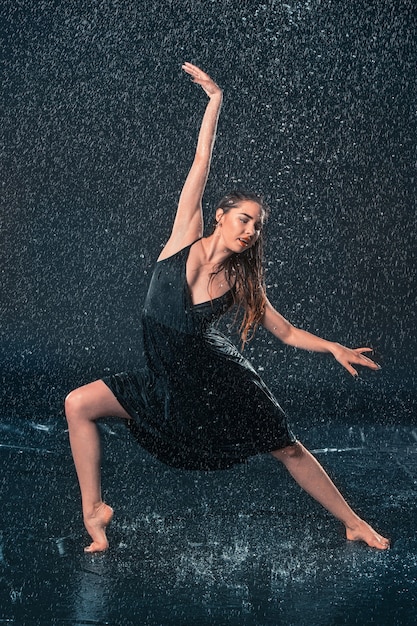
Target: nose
x,y
250,229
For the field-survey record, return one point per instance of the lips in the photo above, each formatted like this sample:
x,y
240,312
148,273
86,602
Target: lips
x,y
244,242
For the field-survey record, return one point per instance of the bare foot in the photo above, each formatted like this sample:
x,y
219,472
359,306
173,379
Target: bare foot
x,y
365,532
96,527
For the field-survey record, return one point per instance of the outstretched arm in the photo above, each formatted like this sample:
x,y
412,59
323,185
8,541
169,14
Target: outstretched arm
x,y
287,333
188,223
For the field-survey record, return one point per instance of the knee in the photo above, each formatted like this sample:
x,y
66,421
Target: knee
x,y
290,453
74,405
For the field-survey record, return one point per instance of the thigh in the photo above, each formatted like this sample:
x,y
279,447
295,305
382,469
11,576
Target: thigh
x,y
95,400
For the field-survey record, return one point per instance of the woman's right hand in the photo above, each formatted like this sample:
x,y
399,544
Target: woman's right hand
x,y
201,78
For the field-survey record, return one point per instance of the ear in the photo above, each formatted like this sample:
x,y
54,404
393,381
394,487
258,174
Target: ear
x,y
219,215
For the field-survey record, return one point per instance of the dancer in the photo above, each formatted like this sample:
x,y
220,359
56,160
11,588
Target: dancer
x,y
199,404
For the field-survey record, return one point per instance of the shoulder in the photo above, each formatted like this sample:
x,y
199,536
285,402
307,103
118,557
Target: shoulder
x,y
170,251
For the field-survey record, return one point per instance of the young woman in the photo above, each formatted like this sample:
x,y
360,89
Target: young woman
x,y
199,404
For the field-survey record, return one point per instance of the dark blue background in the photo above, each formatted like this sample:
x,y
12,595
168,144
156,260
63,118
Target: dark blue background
x,y
99,126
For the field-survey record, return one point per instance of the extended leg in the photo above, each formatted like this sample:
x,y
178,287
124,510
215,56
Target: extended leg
x,y
310,475
82,408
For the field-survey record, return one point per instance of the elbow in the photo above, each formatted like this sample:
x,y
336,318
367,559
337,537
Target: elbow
x,y
288,334
288,337
276,324
284,333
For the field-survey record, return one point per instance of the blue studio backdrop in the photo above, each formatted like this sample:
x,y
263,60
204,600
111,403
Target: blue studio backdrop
x,y
99,126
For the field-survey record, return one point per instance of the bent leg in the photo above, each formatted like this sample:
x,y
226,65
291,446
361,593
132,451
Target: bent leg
x,y
83,407
310,475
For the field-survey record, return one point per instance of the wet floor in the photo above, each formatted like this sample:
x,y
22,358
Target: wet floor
x,y
244,546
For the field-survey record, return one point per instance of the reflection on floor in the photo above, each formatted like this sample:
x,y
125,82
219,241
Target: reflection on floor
x,y
244,546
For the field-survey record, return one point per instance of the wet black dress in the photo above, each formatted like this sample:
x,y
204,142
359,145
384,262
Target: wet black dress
x,y
199,404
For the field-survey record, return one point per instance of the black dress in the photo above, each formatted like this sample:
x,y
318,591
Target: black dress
x,y
198,404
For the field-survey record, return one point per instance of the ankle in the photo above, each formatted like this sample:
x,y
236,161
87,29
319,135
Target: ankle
x,y
355,523
92,510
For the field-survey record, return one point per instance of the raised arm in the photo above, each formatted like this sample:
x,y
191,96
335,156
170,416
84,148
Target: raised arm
x,y
188,223
287,333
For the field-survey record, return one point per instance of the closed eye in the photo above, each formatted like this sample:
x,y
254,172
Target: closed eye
x,y
246,218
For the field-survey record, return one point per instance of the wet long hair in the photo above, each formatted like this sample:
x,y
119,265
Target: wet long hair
x,y
244,271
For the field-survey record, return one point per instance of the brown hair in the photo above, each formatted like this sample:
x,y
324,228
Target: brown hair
x,y
244,271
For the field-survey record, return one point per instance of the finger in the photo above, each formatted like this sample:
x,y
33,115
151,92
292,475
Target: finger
x,y
189,70
351,371
346,364
362,357
363,350
365,361
195,71
191,67
372,364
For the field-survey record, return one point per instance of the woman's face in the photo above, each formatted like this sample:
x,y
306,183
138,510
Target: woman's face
x,y
240,227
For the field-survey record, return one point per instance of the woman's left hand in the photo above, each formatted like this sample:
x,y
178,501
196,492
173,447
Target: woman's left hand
x,y
348,356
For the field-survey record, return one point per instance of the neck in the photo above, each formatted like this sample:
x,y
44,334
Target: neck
x,y
214,249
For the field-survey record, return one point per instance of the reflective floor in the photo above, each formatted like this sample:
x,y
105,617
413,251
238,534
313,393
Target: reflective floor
x,y
244,546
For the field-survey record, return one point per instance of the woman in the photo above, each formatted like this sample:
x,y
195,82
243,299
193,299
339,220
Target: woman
x,y
199,404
